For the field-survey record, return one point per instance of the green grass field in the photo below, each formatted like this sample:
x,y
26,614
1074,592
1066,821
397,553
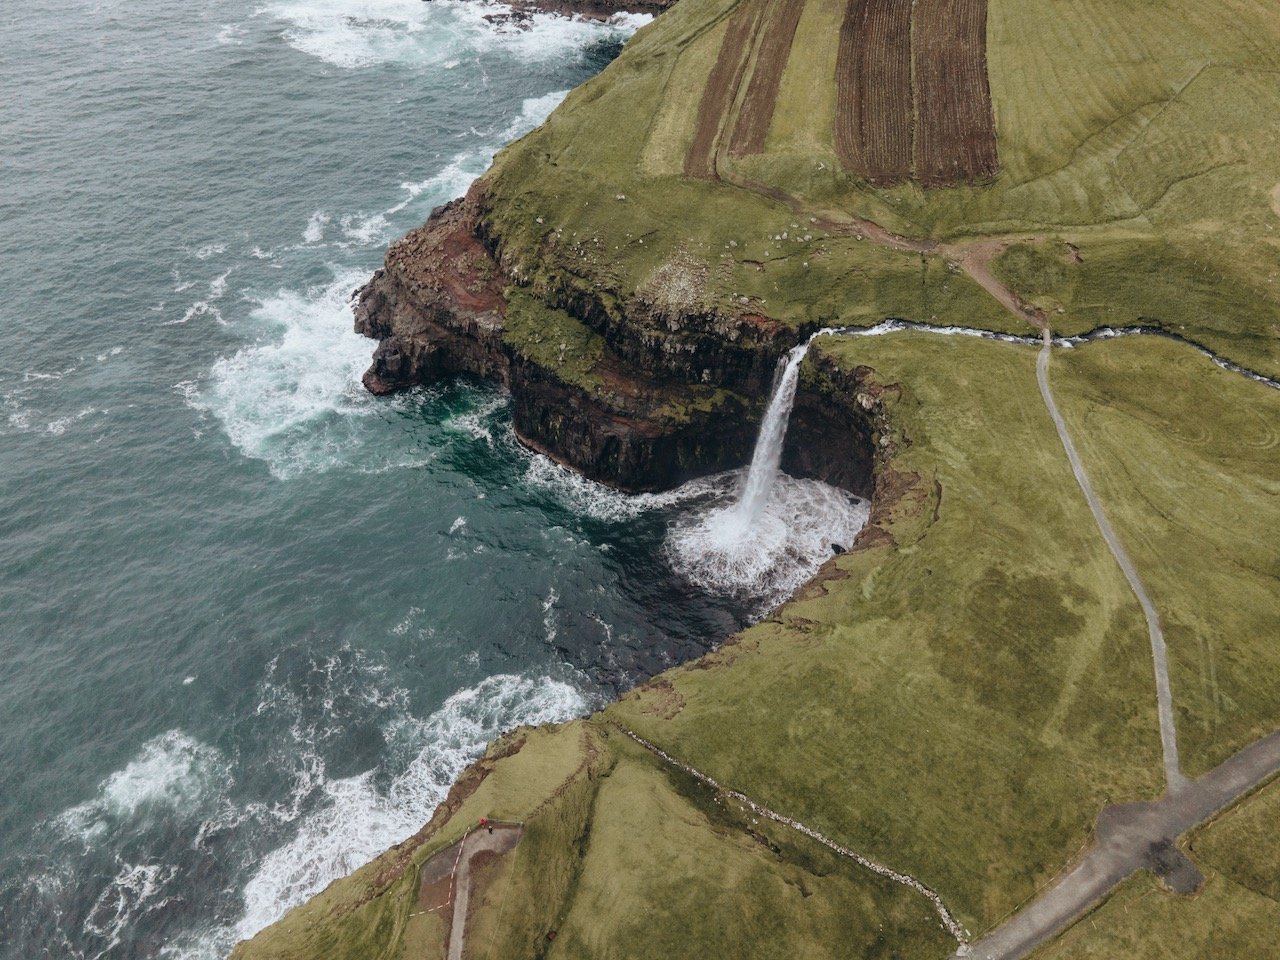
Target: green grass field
x,y
1186,457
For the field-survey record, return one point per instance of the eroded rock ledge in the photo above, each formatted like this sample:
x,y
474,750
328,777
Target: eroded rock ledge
x,y
639,391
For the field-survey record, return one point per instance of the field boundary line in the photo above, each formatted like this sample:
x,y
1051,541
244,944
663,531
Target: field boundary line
x,y
949,922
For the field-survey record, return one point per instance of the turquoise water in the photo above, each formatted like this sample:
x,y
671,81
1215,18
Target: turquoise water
x,y
252,620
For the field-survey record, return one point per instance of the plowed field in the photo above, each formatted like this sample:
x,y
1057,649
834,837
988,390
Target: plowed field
x,y
873,90
955,137
938,129
718,95
778,30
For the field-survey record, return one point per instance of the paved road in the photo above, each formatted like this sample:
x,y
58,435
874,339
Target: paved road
x,y
502,839
1174,779
1132,837
1136,836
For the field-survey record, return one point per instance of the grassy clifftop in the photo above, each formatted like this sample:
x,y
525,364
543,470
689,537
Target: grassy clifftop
x,y
1135,149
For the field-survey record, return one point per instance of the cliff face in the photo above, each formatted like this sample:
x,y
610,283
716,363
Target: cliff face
x,y
643,395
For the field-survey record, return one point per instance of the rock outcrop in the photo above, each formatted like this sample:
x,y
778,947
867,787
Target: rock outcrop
x,y
642,396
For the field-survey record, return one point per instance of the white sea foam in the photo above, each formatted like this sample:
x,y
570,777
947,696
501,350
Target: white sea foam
x,y
549,618
766,560
477,422
201,308
359,33
218,285
31,376
208,250
362,230
533,111
171,771
359,817
596,500
172,778
134,890
20,419
452,181
231,34
314,231
59,427
294,398
457,175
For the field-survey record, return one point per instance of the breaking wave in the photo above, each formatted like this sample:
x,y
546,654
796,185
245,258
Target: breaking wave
x,y
343,823
351,34
171,771
181,807
294,399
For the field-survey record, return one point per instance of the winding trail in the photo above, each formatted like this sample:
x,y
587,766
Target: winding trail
x,y
1174,780
1136,836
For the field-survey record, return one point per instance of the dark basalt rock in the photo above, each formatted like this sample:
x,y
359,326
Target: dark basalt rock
x,y
830,436
646,418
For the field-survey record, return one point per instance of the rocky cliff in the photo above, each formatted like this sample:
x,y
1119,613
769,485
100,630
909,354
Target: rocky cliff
x,y
640,391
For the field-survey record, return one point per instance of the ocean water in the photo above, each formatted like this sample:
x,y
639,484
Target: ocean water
x,y
253,621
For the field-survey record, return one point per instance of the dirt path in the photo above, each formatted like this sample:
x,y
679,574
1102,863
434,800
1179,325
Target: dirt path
x,y
975,257
502,838
1174,780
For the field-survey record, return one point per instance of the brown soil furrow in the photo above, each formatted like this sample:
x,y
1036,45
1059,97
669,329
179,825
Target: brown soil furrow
x,y
955,138
779,30
718,95
848,127
874,113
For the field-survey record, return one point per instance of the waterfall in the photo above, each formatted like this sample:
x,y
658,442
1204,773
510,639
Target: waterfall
x,y
776,531
767,457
